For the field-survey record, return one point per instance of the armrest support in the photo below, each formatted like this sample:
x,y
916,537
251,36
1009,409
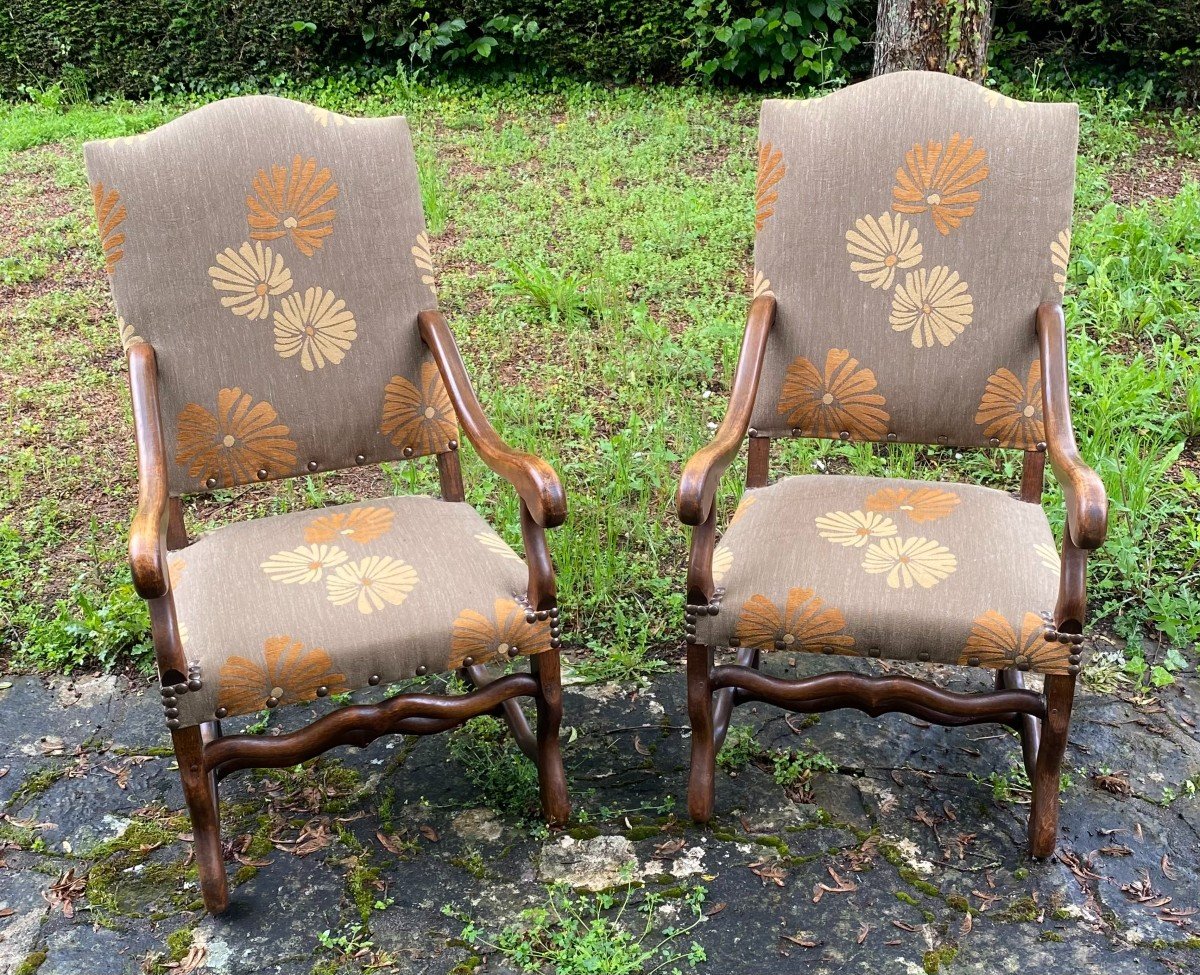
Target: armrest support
x,y
698,485
148,532
1083,491
535,480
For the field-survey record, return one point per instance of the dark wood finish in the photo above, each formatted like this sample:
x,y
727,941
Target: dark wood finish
x,y
1033,476
177,536
148,533
877,695
702,475
1041,720
1083,491
357,724
758,462
450,476
205,755
701,781
534,479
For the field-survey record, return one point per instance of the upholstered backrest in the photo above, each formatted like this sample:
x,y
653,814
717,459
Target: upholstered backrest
x,y
275,256
909,227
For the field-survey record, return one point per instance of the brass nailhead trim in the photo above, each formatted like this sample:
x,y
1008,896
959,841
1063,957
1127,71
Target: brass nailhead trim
x,y
942,439
453,445
891,437
322,691
195,684
312,465
360,459
994,441
211,482
752,432
172,712
180,688
422,670
844,435
468,661
222,712
1041,445
173,724
262,473
373,679
408,451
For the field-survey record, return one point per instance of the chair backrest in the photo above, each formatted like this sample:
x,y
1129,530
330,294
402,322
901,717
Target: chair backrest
x,y
275,257
909,227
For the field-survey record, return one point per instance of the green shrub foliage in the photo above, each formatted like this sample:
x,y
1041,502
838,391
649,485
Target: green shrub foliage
x,y
96,48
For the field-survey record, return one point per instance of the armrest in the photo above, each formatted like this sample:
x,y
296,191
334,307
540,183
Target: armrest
x,y
148,533
1083,491
535,480
698,485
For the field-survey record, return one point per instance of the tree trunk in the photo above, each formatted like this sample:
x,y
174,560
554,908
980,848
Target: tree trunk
x,y
934,35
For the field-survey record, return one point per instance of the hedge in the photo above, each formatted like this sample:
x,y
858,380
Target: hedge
x,y
144,47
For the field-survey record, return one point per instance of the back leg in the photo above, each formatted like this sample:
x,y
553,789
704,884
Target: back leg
x,y
1043,814
200,794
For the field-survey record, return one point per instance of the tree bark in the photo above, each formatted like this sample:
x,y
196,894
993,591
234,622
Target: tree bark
x,y
934,35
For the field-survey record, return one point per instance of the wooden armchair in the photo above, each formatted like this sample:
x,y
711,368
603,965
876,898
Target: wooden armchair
x,y
911,250
275,292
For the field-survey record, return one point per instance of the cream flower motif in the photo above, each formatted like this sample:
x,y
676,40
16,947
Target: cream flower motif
x,y
315,326
931,305
854,528
910,560
882,245
251,275
128,335
423,258
302,565
1047,555
722,562
371,583
1060,256
324,117
496,545
761,286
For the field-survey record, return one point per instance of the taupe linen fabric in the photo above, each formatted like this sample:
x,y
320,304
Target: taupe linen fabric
x,y
883,567
274,610
909,227
275,256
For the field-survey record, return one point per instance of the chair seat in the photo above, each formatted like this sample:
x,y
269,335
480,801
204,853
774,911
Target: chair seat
x,y
284,609
884,567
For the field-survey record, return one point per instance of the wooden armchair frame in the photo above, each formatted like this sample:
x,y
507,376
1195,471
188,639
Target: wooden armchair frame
x,y
1040,720
205,755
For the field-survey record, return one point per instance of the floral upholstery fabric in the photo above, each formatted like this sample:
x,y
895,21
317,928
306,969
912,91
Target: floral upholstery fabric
x,y
275,257
288,608
909,227
882,567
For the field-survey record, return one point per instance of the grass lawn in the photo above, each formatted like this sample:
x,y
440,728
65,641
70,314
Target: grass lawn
x,y
594,252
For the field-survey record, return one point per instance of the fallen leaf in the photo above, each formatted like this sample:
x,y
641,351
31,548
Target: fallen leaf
x,y
668,849
769,871
392,843
1117,783
1167,870
62,892
967,924
194,959
639,747
716,909
862,933
904,927
430,834
1115,850
797,940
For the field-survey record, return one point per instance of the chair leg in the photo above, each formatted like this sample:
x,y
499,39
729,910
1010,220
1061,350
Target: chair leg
x,y
700,711
1043,814
556,804
200,793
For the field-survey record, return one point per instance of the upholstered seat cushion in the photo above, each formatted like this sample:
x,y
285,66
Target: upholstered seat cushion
x,y
288,608
881,567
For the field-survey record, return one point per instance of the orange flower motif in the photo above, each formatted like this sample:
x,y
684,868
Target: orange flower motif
x,y
920,504
994,643
110,214
939,181
288,674
359,525
506,634
743,506
421,419
842,400
804,624
1011,411
292,203
231,446
771,169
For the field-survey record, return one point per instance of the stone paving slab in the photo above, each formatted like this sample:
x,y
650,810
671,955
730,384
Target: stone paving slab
x,y
908,858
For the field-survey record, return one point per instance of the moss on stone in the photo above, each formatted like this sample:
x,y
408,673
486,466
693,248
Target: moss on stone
x,y
906,897
1051,936
244,873
1021,911
959,903
583,832
914,880
35,785
179,943
30,963
1020,873
937,957
641,833
468,966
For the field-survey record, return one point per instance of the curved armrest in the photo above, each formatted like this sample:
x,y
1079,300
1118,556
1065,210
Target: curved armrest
x,y
1083,491
148,533
698,485
535,480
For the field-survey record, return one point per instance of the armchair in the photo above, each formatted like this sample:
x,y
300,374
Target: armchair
x,y
911,250
275,292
